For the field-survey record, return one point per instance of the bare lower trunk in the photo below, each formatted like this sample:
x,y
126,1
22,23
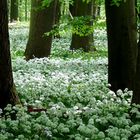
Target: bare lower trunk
x,y
78,9
122,44
14,10
7,88
41,22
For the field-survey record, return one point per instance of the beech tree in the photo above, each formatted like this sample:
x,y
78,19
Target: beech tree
x,y
14,10
41,21
26,8
7,88
82,9
122,44
136,91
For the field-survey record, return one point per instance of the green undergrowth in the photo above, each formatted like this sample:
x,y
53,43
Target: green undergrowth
x,y
71,89
60,47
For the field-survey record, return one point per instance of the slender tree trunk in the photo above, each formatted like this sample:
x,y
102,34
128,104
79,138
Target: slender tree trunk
x,y
7,89
136,91
26,8
8,6
79,9
41,22
14,10
56,12
122,44
96,8
57,15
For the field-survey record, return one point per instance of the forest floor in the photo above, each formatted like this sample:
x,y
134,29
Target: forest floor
x,y
71,89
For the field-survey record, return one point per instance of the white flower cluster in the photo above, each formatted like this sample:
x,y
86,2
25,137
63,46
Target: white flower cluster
x,y
74,92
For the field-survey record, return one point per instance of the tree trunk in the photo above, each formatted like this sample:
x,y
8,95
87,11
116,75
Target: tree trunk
x,y
57,16
7,89
96,9
122,44
26,8
78,9
14,10
136,91
41,21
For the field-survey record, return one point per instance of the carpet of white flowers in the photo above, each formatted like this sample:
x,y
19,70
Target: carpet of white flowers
x,y
72,88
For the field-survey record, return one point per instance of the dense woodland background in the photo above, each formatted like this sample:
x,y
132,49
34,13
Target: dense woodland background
x,y
69,70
